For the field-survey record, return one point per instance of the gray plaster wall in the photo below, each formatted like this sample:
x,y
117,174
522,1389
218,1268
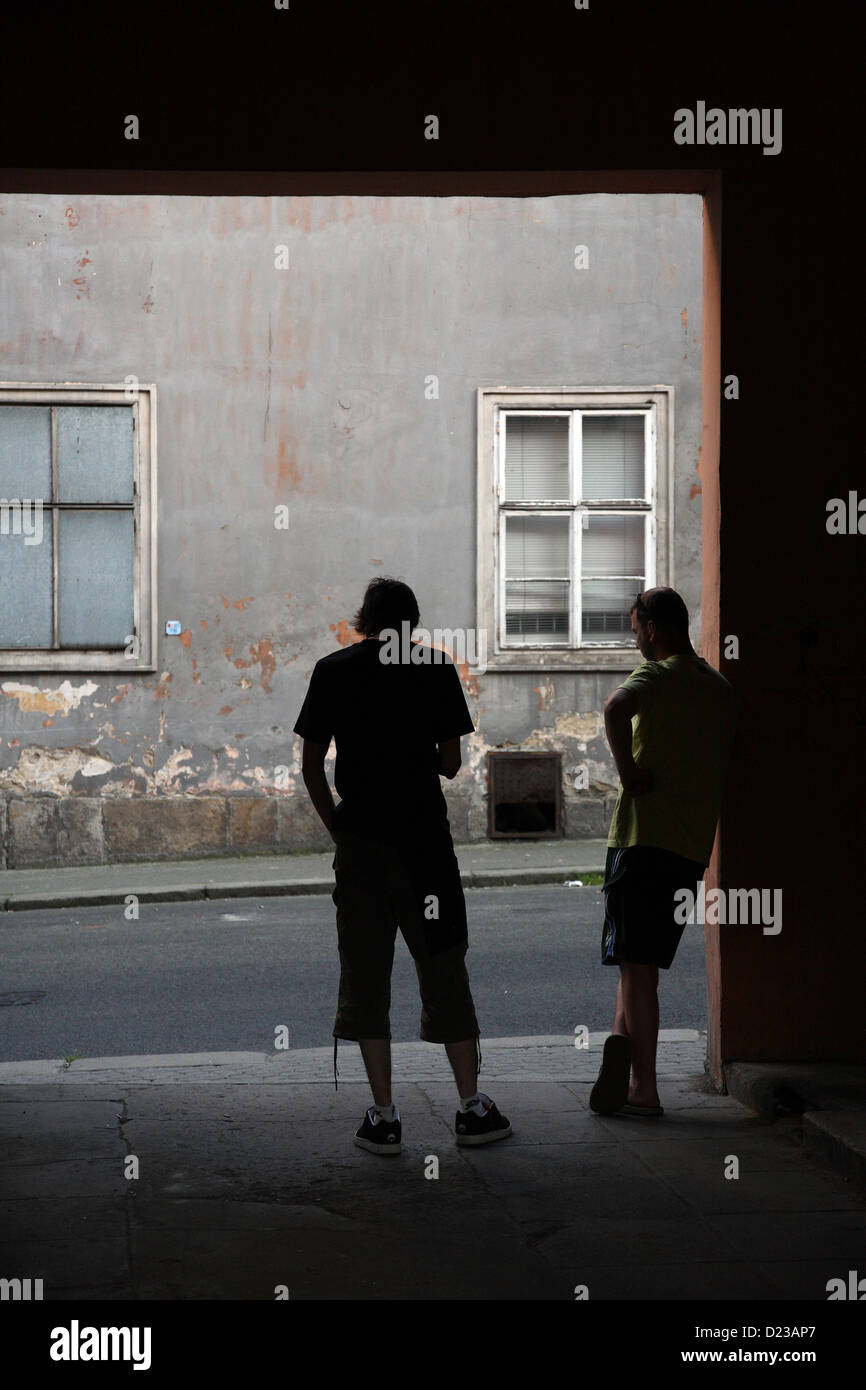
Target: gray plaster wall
x,y
305,386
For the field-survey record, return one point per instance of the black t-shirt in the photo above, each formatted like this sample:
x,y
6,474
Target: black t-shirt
x,y
386,719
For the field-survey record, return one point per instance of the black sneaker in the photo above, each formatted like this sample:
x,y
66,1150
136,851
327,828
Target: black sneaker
x,y
472,1128
379,1136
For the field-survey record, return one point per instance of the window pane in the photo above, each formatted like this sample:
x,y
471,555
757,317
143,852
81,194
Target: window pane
x,y
94,453
537,613
613,544
607,609
26,580
536,547
536,458
95,601
613,457
25,452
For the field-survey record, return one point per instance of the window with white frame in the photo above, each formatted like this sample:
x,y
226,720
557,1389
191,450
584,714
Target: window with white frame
x,y
569,505
77,549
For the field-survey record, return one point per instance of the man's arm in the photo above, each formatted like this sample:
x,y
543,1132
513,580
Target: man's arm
x,y
618,710
313,772
449,759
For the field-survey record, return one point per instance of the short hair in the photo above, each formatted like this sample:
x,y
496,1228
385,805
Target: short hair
x,y
387,604
666,608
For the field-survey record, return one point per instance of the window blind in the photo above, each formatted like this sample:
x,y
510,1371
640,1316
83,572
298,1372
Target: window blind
x,y
536,547
613,457
536,458
613,544
537,585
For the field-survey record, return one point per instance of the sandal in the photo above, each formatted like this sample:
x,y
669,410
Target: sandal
x,y
641,1111
610,1091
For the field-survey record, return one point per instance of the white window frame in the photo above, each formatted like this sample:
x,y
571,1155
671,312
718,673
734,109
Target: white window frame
x,y
142,401
656,403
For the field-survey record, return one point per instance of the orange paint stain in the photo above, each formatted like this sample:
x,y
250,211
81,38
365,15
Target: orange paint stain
x,y
242,603
263,655
162,689
346,635
185,637
121,694
470,682
287,468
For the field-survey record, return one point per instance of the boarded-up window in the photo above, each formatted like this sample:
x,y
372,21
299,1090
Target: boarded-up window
x,y
524,795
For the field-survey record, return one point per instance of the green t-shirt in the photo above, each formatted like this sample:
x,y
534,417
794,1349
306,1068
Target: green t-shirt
x,y
682,733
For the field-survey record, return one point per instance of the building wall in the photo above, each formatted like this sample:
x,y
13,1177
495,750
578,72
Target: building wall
x,y
305,386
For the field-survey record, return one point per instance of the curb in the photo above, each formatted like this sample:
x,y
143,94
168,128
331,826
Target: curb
x,y
277,1066
274,888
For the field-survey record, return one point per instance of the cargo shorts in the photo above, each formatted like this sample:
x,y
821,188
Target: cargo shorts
x,y
380,888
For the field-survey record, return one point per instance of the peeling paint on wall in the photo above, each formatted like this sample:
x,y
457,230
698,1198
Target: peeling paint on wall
x,y
53,769
471,684
262,653
60,701
346,635
545,692
581,727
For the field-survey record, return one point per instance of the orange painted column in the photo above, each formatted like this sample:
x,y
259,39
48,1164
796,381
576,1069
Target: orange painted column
x,y
708,469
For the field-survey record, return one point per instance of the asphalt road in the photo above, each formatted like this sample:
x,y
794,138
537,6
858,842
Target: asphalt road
x,y
222,975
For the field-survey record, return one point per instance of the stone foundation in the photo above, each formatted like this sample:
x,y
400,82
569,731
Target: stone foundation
x,y
55,832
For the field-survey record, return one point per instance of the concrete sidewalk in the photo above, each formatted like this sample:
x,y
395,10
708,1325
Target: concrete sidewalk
x,y
483,864
248,1180
248,1177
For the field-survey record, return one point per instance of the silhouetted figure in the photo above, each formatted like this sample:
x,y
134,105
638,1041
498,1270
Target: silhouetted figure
x,y
672,768
397,725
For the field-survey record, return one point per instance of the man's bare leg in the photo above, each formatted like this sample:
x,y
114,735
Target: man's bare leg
x,y
641,1009
464,1064
619,1012
377,1060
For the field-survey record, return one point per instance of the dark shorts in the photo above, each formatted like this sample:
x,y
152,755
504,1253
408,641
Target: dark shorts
x,y
639,887
380,889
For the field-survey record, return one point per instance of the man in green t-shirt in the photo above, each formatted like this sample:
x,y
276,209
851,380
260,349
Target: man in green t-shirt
x,y
672,763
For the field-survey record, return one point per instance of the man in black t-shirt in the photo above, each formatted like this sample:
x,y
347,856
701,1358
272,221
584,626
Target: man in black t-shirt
x,y
396,711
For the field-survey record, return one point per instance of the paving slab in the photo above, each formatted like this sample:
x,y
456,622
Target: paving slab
x,y
249,1179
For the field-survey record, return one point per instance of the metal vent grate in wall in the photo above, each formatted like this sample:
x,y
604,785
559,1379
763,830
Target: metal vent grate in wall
x,y
524,795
